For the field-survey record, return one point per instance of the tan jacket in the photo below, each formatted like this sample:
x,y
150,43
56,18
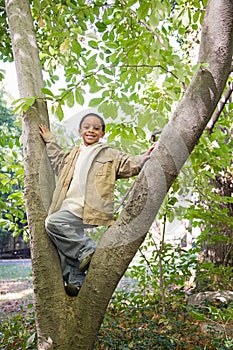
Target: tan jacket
x,y
108,165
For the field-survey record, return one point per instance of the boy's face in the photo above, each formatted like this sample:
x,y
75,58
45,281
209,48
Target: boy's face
x,y
91,130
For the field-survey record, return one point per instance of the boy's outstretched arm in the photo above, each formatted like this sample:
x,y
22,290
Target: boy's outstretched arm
x,y
55,153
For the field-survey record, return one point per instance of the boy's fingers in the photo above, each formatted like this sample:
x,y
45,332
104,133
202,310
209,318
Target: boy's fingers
x,y
152,147
43,128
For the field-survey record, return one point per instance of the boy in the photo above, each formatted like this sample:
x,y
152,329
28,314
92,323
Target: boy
x,y
84,194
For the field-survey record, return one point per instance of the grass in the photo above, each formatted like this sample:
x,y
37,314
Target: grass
x,y
15,271
15,286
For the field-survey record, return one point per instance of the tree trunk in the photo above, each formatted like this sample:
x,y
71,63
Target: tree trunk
x,y
39,181
220,252
73,323
217,248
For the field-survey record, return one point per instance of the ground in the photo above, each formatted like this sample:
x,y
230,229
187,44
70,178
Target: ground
x,y
16,292
142,326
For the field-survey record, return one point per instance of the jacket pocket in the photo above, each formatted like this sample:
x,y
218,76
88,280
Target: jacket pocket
x,y
105,180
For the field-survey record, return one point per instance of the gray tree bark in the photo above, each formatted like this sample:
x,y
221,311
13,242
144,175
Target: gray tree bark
x,y
38,178
73,323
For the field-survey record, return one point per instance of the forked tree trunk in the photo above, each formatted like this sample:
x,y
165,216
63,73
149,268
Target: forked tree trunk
x,y
73,323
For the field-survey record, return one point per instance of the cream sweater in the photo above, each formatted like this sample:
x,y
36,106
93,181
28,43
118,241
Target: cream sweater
x,y
75,196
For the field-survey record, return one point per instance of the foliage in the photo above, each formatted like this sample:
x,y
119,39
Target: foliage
x,y
211,277
124,54
141,327
212,206
139,317
17,323
151,311
135,318
19,332
5,45
13,217
115,49
24,104
7,119
210,170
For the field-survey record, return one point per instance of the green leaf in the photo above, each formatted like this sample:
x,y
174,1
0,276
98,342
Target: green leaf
x,y
79,97
109,110
101,26
36,4
72,70
29,101
154,19
59,112
94,102
112,134
9,216
70,99
92,63
46,91
76,47
11,143
93,44
102,79
140,132
31,340
93,85
142,11
197,315
108,71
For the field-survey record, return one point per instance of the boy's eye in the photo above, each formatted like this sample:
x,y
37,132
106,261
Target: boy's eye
x,y
88,126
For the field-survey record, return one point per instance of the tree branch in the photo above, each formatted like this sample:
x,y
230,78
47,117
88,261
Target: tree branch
x,y
60,99
148,66
219,109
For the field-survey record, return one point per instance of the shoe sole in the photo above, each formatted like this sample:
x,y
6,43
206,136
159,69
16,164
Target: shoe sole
x,y
85,263
72,290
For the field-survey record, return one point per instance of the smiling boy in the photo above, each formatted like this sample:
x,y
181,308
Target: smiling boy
x,y
84,194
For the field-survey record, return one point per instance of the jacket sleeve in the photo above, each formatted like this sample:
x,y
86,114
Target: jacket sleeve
x,y
129,165
55,153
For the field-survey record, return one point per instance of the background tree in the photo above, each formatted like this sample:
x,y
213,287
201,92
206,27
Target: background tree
x,y
177,140
212,210
12,217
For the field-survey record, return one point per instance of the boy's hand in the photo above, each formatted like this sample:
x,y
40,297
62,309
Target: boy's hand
x,y
44,132
148,152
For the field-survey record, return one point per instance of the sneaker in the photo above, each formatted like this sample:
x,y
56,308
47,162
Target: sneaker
x,y
72,290
84,264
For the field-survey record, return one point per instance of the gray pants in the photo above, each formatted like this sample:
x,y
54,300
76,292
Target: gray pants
x,y
66,230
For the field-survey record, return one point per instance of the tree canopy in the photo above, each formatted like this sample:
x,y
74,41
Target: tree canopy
x,y
118,51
